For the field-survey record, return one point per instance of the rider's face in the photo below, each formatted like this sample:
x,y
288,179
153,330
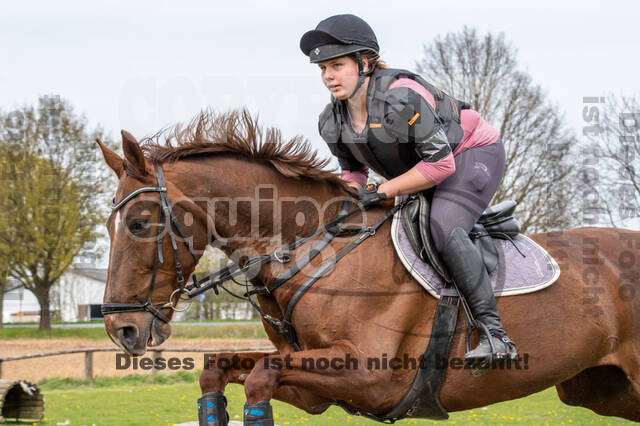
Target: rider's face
x,y
340,76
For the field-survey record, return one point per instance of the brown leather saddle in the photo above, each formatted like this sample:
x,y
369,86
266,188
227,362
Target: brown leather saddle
x,y
495,222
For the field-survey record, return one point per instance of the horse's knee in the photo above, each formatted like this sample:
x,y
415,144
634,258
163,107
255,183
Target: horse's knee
x,y
213,378
261,384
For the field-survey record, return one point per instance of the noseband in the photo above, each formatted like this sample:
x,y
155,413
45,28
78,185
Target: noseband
x,y
168,220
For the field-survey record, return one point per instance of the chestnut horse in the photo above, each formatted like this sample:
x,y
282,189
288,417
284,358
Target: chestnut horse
x,y
249,193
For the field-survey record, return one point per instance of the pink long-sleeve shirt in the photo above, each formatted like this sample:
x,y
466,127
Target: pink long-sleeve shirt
x,y
477,132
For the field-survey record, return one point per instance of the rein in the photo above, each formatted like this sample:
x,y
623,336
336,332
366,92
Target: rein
x,y
216,279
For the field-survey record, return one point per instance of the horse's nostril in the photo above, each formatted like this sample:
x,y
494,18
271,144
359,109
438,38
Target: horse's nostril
x,y
128,335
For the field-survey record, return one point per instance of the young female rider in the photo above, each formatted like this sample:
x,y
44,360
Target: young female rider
x,y
417,137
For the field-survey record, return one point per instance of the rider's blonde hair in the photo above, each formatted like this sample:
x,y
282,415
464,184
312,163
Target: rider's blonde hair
x,y
373,57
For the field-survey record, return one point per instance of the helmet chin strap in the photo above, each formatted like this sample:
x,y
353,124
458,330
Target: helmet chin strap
x,y
362,74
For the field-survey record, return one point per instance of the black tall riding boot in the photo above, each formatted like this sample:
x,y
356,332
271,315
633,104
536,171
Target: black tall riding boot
x,y
467,269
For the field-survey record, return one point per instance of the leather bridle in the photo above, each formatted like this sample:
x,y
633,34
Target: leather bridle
x,y
168,220
215,280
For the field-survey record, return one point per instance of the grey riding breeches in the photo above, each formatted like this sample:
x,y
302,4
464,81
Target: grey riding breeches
x,y
461,198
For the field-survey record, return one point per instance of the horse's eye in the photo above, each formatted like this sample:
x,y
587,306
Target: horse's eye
x,y
139,226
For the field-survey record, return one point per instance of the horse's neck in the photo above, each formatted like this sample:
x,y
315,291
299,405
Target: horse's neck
x,y
254,208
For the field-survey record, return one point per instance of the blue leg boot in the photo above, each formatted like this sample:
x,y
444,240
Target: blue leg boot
x,y
258,414
211,410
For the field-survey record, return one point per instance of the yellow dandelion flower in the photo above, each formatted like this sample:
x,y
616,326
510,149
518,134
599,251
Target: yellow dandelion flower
x,y
276,415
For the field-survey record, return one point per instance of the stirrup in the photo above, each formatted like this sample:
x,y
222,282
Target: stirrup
x,y
510,347
480,366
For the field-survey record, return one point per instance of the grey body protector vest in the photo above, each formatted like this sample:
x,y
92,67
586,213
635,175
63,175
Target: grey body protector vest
x,y
402,127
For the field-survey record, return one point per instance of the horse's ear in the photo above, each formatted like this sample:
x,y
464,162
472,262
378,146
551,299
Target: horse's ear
x,y
132,152
113,160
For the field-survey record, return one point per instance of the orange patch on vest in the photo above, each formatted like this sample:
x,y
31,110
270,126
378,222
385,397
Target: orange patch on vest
x,y
414,118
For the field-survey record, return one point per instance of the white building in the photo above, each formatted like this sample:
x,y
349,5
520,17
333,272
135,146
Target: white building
x,y
75,297
19,305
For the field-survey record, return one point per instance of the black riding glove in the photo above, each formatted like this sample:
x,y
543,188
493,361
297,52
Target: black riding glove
x,y
369,195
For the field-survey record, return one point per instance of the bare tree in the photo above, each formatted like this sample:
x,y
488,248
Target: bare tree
x,y
613,136
483,71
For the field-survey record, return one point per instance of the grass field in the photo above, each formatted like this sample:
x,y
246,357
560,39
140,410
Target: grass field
x,y
165,399
170,399
185,331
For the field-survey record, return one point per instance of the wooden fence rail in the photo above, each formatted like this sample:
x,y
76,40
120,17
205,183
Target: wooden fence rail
x,y
88,355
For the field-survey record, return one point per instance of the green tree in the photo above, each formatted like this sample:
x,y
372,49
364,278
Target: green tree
x,y
540,148
53,194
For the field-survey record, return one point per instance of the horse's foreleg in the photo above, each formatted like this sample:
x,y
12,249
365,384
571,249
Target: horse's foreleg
x,y
336,373
228,367
219,370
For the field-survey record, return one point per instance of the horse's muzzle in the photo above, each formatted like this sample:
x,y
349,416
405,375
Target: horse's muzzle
x,y
128,336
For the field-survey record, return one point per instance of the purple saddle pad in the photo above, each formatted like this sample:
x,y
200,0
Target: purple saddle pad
x,y
515,273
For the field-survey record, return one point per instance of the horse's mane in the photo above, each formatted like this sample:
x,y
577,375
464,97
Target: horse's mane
x,y
237,132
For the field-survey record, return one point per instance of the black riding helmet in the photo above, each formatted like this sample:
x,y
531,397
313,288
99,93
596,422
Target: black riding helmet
x,y
341,35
